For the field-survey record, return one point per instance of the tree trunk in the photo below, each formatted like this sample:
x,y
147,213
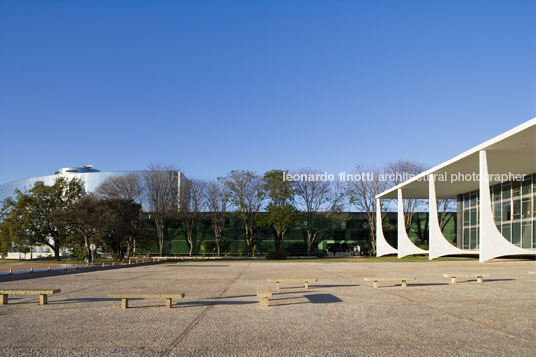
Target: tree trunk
x,y
373,237
310,239
160,234
218,243
190,242
88,251
57,253
282,237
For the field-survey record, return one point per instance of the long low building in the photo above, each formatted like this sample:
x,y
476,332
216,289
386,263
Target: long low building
x,y
494,185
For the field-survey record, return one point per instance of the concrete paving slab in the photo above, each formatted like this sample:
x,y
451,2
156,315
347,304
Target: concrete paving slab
x,y
220,315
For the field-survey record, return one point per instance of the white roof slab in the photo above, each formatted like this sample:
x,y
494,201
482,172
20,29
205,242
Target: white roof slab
x,y
511,152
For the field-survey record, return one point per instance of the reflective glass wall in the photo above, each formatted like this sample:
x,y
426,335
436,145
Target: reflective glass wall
x,y
513,206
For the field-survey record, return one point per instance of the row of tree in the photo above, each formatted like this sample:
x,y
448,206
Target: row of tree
x,y
64,214
286,202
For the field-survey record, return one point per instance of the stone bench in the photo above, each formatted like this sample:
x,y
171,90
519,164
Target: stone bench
x,y
264,294
43,294
532,272
375,281
478,277
125,296
292,280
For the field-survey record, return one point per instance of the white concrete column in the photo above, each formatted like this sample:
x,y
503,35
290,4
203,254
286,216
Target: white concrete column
x,y
438,245
382,247
405,245
492,243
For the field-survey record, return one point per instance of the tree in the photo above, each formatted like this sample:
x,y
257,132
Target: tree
x,y
162,194
281,213
403,170
314,197
5,238
42,216
86,222
120,219
216,201
444,206
11,231
246,195
191,203
130,187
362,195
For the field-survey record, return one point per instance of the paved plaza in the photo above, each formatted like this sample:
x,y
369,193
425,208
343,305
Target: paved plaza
x,y
220,315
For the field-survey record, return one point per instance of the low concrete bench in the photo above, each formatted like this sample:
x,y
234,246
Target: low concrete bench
x,y
43,294
264,294
478,277
375,281
292,280
532,272
125,296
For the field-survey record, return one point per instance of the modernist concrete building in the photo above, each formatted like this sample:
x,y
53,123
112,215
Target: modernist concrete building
x,y
92,178
494,184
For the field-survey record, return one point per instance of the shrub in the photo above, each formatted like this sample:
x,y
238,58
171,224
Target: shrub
x,y
280,254
321,254
79,252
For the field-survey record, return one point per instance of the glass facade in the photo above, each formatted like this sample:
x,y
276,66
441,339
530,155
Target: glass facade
x,y
513,205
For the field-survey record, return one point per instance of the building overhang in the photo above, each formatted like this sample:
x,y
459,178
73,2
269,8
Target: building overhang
x,y
513,152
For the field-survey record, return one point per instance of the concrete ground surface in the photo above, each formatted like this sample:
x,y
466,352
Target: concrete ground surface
x,y
220,315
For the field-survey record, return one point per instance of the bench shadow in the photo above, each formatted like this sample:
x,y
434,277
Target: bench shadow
x,y
274,291
492,280
290,303
322,298
425,284
333,286
210,303
80,300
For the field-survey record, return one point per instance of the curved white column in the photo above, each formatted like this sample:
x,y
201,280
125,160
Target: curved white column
x,y
492,243
382,247
438,245
405,246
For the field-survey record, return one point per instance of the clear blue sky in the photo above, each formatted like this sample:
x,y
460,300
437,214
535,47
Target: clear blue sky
x,y
211,86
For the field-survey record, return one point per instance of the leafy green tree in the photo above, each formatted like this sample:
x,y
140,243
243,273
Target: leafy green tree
x,y
281,213
5,239
130,187
121,219
86,219
44,214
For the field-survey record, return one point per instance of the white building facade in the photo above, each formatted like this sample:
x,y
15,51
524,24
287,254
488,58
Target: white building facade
x,y
494,186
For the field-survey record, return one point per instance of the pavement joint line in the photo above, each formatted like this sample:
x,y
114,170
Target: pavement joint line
x,y
194,323
309,346
479,323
